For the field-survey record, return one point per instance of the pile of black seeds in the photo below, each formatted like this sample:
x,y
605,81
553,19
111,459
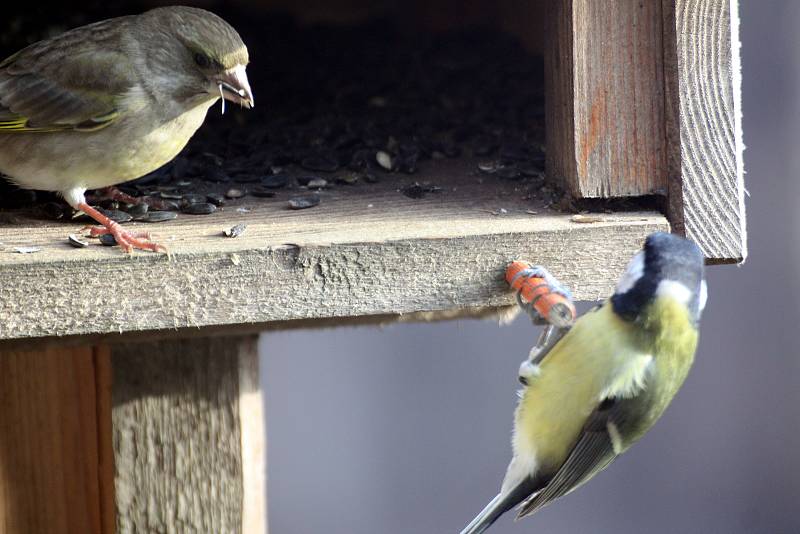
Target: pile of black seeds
x,y
341,107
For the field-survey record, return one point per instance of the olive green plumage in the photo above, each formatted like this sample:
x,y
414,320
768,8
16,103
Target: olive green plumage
x,y
114,100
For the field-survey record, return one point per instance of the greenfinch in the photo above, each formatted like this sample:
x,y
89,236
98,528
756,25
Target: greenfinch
x,y
112,101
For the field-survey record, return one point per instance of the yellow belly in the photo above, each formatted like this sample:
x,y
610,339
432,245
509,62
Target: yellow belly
x,y
554,407
126,150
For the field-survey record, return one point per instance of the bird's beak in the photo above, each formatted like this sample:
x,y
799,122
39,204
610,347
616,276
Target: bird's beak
x,y
233,86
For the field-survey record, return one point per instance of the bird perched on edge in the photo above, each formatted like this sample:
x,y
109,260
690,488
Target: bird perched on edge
x,y
112,101
604,384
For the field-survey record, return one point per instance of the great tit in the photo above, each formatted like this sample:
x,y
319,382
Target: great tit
x,y
604,384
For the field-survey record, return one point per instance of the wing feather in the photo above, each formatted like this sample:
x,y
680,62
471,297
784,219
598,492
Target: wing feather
x,y
595,449
73,81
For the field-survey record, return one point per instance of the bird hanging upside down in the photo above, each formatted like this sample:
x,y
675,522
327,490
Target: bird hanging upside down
x,y
594,392
112,101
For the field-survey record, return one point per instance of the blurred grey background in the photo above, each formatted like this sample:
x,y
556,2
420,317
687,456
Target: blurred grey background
x,y
406,429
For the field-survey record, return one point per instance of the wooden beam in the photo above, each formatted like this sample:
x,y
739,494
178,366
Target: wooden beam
x,y
365,250
188,437
605,98
703,90
55,474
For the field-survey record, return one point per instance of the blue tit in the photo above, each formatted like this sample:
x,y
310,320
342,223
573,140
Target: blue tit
x,y
604,384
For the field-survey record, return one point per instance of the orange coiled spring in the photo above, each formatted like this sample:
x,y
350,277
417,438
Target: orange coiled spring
x,y
538,291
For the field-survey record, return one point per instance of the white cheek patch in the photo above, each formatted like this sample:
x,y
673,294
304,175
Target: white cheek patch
x,y
634,271
675,290
701,301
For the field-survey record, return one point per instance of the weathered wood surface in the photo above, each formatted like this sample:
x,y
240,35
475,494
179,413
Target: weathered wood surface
x,y
188,437
605,97
54,467
703,87
366,250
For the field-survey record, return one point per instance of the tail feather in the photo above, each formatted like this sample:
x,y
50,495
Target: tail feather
x,y
503,502
487,516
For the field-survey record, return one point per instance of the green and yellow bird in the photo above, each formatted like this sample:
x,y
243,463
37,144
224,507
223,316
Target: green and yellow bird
x,y
114,100
605,383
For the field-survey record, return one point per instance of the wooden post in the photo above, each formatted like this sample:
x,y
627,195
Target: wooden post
x,y
161,436
188,429
56,474
704,130
605,97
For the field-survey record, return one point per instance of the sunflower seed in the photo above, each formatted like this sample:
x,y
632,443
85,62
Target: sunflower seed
x,y
203,208
108,240
159,216
137,210
301,203
216,199
275,181
261,191
384,159
118,216
192,198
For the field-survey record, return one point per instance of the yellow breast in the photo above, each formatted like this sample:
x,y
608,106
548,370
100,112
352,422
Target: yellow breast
x,y
601,353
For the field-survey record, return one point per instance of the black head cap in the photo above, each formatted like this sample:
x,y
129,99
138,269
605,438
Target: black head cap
x,y
668,265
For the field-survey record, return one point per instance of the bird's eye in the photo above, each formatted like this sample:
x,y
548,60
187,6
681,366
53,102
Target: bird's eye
x,y
202,60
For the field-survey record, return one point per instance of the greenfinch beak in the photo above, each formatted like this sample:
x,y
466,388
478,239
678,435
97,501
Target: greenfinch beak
x,y
234,86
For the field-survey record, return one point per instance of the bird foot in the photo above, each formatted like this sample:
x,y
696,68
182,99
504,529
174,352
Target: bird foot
x,y
128,241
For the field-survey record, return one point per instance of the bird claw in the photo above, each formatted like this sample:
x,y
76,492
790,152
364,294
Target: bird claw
x,y
125,239
128,241
97,231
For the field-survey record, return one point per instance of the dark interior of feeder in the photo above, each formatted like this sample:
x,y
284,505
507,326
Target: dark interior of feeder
x,y
348,94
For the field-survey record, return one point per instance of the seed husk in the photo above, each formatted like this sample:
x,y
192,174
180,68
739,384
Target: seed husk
x,y
304,202
235,231
77,242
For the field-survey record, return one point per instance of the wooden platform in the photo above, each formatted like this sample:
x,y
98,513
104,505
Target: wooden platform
x,y
365,250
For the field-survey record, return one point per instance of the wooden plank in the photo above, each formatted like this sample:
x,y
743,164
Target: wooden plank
x,y
52,463
366,250
606,98
559,90
182,443
703,89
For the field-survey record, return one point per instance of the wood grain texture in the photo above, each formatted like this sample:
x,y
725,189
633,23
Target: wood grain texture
x,y
178,431
252,419
606,73
50,474
364,251
559,81
703,85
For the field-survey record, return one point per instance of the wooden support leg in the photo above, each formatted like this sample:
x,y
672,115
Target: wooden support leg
x,y
56,474
189,436
605,97
188,447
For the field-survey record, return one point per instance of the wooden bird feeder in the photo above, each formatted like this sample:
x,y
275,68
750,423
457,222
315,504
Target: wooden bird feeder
x,y
129,391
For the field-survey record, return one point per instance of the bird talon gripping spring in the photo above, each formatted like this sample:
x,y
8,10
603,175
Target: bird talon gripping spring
x,y
543,297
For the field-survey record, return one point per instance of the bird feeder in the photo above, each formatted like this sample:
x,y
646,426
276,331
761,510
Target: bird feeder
x,y
130,399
